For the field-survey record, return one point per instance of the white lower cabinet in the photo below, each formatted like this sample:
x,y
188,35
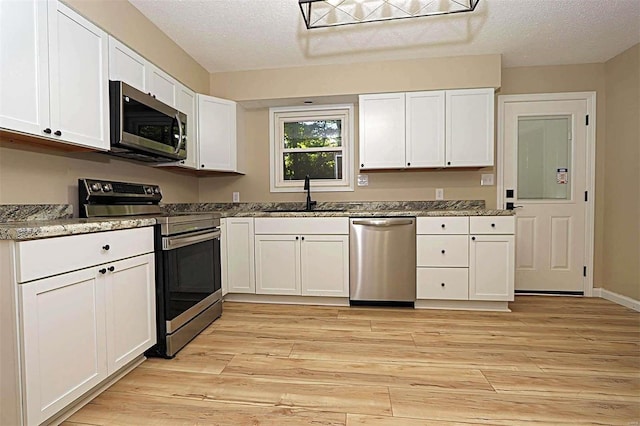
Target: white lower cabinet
x,y
491,267
307,265
240,265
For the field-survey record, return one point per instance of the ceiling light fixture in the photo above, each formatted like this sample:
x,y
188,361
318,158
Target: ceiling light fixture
x,y
333,13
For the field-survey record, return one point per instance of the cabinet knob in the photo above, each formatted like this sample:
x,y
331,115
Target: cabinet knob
x,y
47,131
442,251
297,238
361,165
103,271
493,225
442,284
57,133
473,238
202,165
111,268
448,163
443,226
408,164
106,247
302,238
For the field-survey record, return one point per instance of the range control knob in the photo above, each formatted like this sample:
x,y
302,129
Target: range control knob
x,y
148,190
107,187
96,187
156,190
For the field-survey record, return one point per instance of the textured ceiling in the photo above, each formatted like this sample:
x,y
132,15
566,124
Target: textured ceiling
x,y
232,35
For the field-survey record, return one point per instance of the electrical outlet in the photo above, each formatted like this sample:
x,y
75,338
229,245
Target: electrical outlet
x,y
236,197
363,180
439,193
486,179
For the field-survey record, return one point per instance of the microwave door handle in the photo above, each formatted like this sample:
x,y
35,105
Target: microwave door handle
x,y
177,116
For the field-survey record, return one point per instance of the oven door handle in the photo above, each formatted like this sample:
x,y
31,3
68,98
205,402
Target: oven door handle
x,y
170,243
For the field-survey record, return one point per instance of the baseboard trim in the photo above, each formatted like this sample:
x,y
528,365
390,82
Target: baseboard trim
x,y
290,300
463,305
617,298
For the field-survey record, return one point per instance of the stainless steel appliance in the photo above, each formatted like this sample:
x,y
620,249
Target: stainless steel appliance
x,y
187,257
382,260
143,128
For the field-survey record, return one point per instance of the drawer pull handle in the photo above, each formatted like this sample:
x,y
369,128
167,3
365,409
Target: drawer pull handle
x,y
442,284
493,225
111,268
106,247
103,271
442,251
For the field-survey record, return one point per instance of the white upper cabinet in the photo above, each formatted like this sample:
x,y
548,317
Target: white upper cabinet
x,y
161,85
54,74
24,83
217,134
447,128
469,132
425,129
126,65
78,70
382,131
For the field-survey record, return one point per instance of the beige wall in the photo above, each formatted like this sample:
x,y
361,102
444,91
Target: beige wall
x,y
621,251
372,77
122,20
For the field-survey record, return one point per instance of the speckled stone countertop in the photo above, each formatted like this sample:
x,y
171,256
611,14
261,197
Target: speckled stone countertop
x,y
32,221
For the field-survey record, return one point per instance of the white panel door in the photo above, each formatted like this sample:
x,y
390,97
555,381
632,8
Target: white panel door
x,y
425,129
278,264
161,85
64,340
131,309
24,74
382,131
240,255
78,70
187,104
545,145
126,65
491,267
325,265
469,127
217,134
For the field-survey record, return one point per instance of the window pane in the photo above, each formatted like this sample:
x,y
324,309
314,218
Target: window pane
x,y
544,158
318,165
313,134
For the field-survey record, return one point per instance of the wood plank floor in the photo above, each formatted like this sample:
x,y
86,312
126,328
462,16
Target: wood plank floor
x,y
552,360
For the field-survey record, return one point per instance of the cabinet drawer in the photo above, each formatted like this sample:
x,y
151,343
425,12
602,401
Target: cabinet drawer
x,y
442,250
52,256
442,283
442,225
492,225
302,225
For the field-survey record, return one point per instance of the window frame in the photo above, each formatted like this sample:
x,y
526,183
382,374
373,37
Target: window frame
x,y
277,115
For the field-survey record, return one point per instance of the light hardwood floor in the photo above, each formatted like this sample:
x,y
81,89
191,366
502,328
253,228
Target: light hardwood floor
x,y
552,360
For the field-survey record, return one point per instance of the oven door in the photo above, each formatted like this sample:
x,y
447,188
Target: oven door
x,y
192,280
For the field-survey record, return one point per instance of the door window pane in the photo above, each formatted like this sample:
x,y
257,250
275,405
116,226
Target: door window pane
x,y
544,158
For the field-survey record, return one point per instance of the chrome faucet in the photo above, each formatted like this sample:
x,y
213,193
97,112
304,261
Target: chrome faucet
x,y
307,187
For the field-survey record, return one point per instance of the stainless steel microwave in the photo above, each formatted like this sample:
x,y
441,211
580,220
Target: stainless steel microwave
x,y
143,128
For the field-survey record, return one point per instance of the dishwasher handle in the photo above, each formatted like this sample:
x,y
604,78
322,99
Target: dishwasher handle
x,y
383,223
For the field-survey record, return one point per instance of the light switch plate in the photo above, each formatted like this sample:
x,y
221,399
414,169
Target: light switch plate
x,y
439,193
363,180
486,179
236,197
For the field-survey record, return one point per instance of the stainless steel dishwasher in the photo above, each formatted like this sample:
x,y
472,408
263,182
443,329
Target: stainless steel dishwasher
x,y
382,257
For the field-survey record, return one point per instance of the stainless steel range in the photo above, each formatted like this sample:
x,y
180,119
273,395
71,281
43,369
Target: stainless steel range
x,y
187,256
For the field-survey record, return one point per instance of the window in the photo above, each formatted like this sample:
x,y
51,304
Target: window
x,y
315,141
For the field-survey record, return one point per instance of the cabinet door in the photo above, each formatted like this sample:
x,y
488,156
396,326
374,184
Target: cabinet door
x,y
240,255
217,134
469,127
24,75
425,129
491,267
131,309
79,79
64,340
325,265
382,131
278,264
161,85
187,104
126,65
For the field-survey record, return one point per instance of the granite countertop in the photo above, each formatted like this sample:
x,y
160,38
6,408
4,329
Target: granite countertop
x,y
27,222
